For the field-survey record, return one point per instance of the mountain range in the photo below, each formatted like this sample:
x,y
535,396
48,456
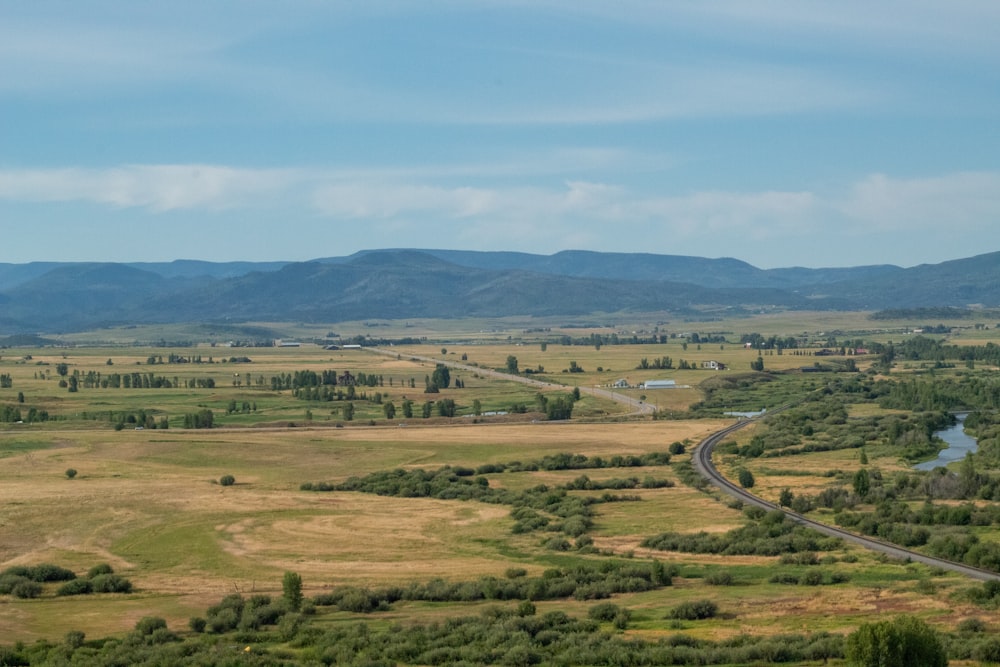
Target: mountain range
x,y
404,283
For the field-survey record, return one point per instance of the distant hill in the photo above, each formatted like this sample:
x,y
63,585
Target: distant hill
x,y
401,283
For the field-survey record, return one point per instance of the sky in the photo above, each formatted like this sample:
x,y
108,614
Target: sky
x,y
803,133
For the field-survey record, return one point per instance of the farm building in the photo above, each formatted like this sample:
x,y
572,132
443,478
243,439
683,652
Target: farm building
x,y
660,384
713,365
621,384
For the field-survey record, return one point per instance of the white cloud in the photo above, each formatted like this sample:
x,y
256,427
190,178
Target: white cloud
x,y
575,213
155,187
960,202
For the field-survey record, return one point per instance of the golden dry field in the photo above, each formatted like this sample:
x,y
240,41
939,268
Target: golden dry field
x,y
149,502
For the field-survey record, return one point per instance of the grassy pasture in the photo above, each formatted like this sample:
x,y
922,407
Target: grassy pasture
x,y
147,503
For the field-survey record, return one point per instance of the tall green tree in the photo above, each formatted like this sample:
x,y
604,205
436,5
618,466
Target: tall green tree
x,y
905,641
512,365
441,377
291,590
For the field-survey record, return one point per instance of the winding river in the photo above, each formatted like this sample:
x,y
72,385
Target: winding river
x,y
959,444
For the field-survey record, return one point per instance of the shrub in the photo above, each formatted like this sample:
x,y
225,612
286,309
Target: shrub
x,y
27,589
48,572
811,578
605,611
70,473
227,480
76,587
9,581
719,578
694,610
102,568
111,583
147,625
972,625
197,624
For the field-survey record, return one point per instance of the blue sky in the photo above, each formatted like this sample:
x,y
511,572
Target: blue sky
x,y
780,133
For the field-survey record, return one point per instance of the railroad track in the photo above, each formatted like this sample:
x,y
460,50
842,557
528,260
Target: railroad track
x,y
702,459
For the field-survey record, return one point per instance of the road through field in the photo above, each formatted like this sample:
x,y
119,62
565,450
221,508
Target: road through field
x,y
636,406
702,460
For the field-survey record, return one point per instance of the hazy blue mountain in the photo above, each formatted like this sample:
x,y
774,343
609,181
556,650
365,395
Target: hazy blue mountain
x,y
402,283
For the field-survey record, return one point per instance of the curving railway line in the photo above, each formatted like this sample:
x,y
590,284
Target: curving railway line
x,y
702,459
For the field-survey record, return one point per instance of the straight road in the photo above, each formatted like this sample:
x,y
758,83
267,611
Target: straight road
x,y
636,407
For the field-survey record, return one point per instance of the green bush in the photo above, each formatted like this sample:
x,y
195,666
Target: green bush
x,y
149,624
227,480
111,583
9,581
719,578
604,611
76,587
27,589
695,610
102,568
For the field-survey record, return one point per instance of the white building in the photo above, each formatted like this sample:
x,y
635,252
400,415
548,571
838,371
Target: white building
x,y
660,384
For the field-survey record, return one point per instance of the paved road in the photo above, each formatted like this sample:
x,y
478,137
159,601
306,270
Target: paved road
x,y
703,463
636,406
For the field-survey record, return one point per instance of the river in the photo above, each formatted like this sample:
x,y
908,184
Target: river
x,y
959,444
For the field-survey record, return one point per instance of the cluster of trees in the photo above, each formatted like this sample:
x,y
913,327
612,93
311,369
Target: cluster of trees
x,y
174,358
141,417
6,381
660,363
201,419
326,378
584,581
11,414
96,379
768,534
25,581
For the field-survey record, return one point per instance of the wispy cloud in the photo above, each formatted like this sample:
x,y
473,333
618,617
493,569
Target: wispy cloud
x,y
155,187
403,207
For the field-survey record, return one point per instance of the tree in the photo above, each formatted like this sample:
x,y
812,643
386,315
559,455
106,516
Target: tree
x,y
862,483
902,642
512,365
407,408
349,412
227,480
70,473
389,409
863,457
291,590
746,478
477,407
62,369
757,365
786,497
441,377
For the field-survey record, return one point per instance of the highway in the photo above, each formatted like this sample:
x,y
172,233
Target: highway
x,y
702,459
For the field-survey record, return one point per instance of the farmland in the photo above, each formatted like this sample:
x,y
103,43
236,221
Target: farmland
x,y
148,501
